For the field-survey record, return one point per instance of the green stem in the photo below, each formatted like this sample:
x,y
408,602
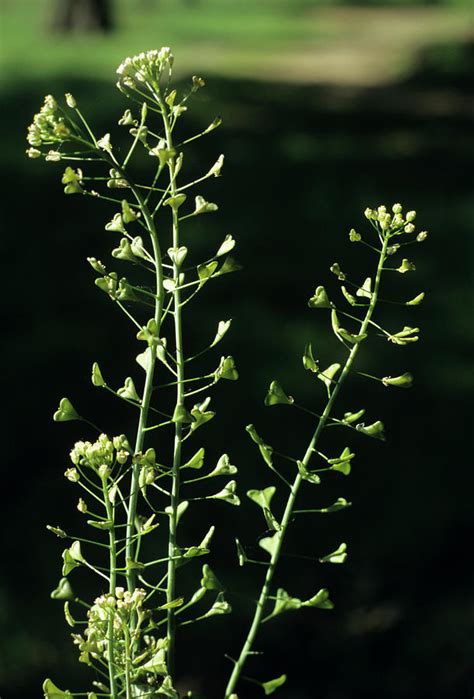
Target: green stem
x,y
178,438
128,663
110,509
148,388
287,516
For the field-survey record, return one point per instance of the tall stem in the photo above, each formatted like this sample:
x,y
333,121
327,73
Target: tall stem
x,y
265,591
113,578
178,438
148,388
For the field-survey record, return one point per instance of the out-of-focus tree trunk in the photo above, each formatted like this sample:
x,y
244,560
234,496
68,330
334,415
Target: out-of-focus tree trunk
x,y
83,15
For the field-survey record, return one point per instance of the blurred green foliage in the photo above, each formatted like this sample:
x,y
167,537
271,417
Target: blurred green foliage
x,y
310,157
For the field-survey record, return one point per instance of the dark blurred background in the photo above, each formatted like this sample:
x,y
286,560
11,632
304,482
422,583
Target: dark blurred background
x,y
328,107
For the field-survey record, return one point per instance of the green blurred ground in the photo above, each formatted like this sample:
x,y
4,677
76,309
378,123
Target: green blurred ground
x,y
326,111
277,40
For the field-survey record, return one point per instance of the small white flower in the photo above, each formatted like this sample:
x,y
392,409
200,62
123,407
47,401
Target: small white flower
x,y
53,156
104,143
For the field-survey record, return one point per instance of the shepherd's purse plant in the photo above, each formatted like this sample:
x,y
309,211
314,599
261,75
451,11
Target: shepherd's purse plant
x,y
135,488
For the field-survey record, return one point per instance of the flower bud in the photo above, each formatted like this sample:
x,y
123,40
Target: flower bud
x,y
121,443
122,456
385,220
82,506
70,101
368,213
397,208
197,83
422,235
103,471
409,228
33,153
397,220
410,216
53,156
72,474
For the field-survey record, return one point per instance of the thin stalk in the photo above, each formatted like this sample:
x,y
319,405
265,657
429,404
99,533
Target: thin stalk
x,y
110,509
178,438
287,516
148,388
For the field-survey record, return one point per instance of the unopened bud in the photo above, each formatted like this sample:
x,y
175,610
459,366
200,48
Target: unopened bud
x,y
70,101
33,153
82,506
72,474
103,470
122,456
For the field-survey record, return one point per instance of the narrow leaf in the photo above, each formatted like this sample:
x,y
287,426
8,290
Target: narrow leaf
x,y
209,580
226,246
97,378
262,497
319,299
365,291
417,300
376,430
51,691
269,543
403,381
242,556
277,396
307,475
223,467
227,494
265,450
320,600
63,591
309,362
337,556
128,390
226,369
328,375
272,685
196,461
222,328
65,412
340,504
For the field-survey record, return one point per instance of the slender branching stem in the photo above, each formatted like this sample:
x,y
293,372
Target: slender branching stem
x,y
178,437
289,509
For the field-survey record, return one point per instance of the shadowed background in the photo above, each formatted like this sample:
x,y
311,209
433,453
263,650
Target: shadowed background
x,y
327,108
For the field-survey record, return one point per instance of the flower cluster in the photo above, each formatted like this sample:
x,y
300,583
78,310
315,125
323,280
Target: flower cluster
x,y
395,224
147,67
48,126
100,455
119,606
